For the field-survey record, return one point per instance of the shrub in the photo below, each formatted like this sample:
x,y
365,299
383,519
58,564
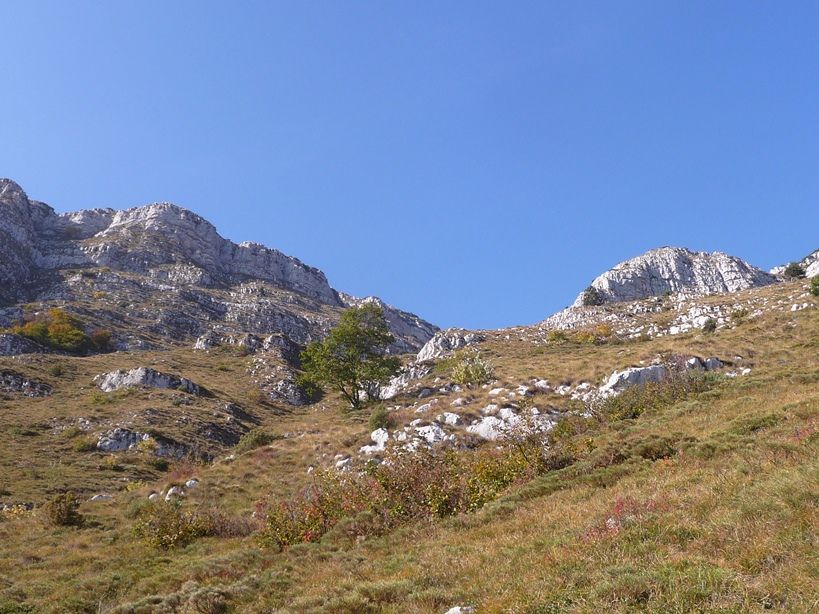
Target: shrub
x,y
256,439
814,286
160,464
85,444
101,339
62,511
794,271
592,297
470,369
709,326
166,525
56,370
634,401
380,418
556,336
56,329
424,485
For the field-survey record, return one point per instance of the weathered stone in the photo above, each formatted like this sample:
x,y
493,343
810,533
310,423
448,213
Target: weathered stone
x,y
445,342
11,381
143,377
14,345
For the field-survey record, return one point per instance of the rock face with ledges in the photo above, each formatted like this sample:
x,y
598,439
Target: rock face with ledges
x,y
676,270
163,271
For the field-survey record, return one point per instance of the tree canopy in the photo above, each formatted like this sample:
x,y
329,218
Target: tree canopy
x,y
352,359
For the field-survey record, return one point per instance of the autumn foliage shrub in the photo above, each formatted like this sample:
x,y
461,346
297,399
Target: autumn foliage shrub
x,y
62,511
62,331
407,487
167,525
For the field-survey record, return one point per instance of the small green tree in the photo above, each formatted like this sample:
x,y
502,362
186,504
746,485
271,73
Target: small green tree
x,y
794,271
814,286
352,359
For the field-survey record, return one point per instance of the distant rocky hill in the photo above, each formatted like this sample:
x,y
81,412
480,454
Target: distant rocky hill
x,y
162,273
671,270
675,272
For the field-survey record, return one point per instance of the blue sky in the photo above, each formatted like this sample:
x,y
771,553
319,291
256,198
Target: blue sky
x,y
475,162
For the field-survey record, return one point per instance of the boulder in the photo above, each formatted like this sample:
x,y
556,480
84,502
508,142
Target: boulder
x,y
144,377
445,342
449,418
634,376
379,438
488,427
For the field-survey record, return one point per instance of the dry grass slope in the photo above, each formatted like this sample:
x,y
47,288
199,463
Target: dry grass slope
x,y
710,505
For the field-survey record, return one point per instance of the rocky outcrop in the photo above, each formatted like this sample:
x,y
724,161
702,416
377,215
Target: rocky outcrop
x,y
121,439
169,274
633,376
674,270
11,381
445,342
400,382
14,345
144,377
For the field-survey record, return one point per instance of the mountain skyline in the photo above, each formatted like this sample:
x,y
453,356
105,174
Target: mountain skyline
x,y
449,159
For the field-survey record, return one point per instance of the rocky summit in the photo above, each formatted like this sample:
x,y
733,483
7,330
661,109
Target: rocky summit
x,y
161,273
673,270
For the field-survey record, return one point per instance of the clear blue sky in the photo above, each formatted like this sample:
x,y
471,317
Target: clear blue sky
x,y
475,162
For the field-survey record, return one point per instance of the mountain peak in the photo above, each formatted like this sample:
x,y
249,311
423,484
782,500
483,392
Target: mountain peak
x,y
673,270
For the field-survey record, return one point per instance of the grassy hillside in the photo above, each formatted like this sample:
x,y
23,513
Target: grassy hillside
x,y
706,502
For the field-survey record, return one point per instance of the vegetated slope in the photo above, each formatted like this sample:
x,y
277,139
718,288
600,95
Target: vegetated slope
x,y
705,502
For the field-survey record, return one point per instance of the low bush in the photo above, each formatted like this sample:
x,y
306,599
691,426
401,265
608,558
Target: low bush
x,y
469,369
424,485
814,286
256,439
592,297
794,271
56,329
166,525
709,326
634,401
62,511
85,444
380,418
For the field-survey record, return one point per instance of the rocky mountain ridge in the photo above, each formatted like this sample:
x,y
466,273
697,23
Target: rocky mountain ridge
x,y
163,273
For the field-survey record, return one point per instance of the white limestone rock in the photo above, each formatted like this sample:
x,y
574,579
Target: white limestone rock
x,y
379,438
488,427
449,418
633,376
143,377
446,341
676,270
